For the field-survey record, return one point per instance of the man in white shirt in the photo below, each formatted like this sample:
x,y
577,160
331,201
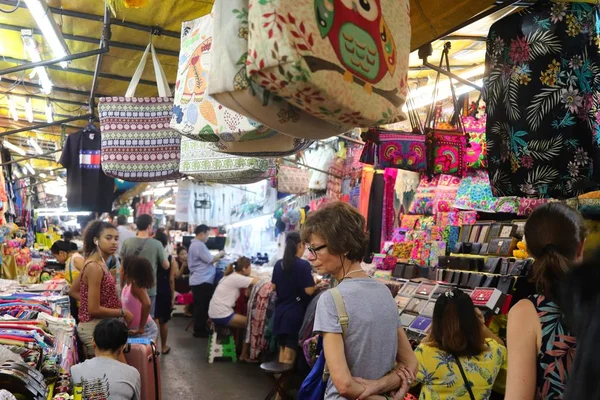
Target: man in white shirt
x,y
124,231
202,278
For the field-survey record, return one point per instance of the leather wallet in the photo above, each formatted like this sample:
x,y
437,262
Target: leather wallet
x,y
415,305
475,280
454,262
399,270
490,281
504,265
517,268
467,248
475,248
458,249
443,261
491,265
505,284
410,271
456,278
423,272
484,249
476,264
465,264
464,279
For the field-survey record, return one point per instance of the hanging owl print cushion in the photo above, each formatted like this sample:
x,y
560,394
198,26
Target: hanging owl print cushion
x,y
345,61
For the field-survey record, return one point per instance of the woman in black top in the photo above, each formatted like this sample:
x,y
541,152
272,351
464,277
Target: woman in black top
x,y
165,292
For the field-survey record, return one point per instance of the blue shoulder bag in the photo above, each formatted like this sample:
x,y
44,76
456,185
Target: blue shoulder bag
x,y
315,384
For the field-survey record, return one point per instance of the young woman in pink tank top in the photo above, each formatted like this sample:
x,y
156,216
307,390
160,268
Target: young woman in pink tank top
x,y
95,287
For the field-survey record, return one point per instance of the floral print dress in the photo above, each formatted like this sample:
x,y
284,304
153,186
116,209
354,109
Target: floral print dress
x,y
557,351
542,88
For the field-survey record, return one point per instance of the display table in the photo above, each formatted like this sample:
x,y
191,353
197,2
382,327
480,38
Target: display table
x,y
9,267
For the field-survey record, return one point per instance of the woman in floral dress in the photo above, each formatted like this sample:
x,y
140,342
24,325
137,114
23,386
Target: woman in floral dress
x,y
541,347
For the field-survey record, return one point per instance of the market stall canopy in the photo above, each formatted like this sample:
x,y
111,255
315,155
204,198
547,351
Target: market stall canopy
x,y
81,25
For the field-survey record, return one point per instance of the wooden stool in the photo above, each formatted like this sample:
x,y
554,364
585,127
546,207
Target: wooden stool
x,y
274,368
224,348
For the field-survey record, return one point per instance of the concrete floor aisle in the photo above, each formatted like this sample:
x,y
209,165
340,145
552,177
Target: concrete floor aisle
x,y
186,373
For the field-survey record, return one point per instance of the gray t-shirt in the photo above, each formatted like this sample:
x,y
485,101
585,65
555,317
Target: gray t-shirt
x,y
153,251
119,380
371,341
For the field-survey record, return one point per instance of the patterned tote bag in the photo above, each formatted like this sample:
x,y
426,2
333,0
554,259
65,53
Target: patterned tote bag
x,y
229,85
206,165
137,142
345,62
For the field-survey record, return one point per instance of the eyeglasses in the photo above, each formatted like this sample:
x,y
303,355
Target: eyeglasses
x,y
313,250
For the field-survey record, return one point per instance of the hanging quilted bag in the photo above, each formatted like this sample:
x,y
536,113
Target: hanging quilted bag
x,y
448,146
229,85
206,165
475,193
137,142
292,180
345,62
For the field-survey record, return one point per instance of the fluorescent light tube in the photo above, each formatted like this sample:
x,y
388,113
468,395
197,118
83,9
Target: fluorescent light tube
x,y
32,50
33,143
13,147
49,112
12,108
30,168
60,180
45,21
17,174
43,175
28,110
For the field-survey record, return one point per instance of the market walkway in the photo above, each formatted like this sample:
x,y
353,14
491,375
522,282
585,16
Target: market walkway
x,y
186,373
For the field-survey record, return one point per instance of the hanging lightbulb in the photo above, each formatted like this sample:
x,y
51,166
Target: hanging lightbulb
x,y
28,110
49,112
12,108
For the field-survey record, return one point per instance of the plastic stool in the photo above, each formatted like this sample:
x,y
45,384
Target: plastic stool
x,y
275,368
224,348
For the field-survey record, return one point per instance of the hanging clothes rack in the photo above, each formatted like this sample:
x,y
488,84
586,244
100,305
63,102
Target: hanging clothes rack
x,y
313,168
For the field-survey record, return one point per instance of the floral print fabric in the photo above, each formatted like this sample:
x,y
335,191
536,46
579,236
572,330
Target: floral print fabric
x,y
541,91
557,352
475,193
441,379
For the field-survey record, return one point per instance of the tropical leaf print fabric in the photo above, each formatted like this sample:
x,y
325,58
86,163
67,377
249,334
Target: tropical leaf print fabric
x,y
541,91
441,378
557,352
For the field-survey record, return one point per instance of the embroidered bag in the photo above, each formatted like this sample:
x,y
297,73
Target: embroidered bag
x,y
423,202
292,180
448,146
475,193
445,194
206,165
476,153
229,85
344,62
137,143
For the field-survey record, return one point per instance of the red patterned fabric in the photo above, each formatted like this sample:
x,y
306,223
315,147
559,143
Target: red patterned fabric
x,y
258,322
108,295
526,206
389,196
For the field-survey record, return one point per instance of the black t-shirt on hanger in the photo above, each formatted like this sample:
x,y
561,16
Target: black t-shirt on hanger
x,y
88,188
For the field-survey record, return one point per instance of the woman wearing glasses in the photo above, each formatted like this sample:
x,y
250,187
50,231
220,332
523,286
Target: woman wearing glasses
x,y
294,284
374,341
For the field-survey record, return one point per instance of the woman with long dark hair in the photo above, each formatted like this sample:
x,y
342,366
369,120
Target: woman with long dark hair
x,y
541,346
95,287
165,292
294,284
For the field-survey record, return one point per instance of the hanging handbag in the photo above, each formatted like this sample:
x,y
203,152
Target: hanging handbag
x,y
137,142
448,146
206,165
476,152
229,85
344,65
292,180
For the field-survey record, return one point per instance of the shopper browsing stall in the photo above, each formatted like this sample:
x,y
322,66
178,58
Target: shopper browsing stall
x,y
294,284
337,244
202,278
125,233
137,277
106,373
144,245
95,286
165,293
182,277
539,341
64,254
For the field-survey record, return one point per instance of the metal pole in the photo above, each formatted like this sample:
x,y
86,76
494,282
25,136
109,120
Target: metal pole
x,y
36,156
71,57
52,99
54,88
33,176
85,39
55,123
453,76
313,168
348,138
93,17
104,39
